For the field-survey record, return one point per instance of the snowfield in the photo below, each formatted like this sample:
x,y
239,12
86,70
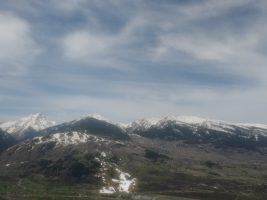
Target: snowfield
x,y
68,138
125,181
107,190
123,184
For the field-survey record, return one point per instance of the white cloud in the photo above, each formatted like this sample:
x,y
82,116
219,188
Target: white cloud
x,y
107,50
68,5
82,45
210,48
200,102
210,8
119,34
17,47
205,33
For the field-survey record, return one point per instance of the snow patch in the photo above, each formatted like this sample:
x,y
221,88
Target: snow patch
x,y
144,123
260,126
107,190
187,119
125,181
123,184
67,138
256,137
70,138
103,154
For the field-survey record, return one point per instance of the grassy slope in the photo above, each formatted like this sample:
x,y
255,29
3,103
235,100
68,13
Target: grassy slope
x,y
186,172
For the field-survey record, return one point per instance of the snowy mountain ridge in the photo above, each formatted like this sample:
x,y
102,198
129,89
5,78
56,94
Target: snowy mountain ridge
x,y
195,123
148,122
191,120
36,122
39,122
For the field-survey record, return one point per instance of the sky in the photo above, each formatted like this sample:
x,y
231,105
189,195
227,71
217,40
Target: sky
x,y
126,59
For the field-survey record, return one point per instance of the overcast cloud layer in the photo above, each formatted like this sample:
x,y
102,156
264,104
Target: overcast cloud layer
x,y
128,59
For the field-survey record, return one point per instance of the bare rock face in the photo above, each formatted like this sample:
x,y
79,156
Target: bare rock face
x,y
6,140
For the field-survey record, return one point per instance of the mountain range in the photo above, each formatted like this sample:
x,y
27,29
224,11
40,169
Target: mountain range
x,y
150,158
186,128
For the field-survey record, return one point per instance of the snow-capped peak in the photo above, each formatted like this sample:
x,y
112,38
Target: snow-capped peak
x,y
35,121
148,122
188,119
144,123
95,116
102,118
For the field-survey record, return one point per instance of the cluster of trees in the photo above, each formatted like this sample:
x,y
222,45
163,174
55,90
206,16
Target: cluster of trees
x,y
71,167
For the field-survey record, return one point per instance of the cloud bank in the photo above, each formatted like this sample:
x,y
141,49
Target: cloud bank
x,y
131,59
18,49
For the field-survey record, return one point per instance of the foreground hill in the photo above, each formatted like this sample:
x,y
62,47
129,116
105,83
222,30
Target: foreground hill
x,y
91,125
